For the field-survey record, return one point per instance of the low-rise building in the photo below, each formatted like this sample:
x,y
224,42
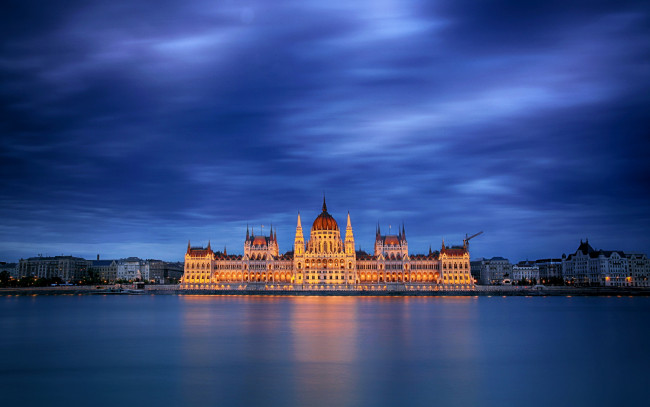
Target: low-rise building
x,y
639,269
132,269
105,269
492,271
527,271
162,272
550,270
67,268
475,268
614,268
11,268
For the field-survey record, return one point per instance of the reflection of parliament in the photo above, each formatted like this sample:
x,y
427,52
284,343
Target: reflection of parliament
x,y
327,262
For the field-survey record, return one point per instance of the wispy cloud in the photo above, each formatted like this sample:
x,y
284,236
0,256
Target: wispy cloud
x,y
128,128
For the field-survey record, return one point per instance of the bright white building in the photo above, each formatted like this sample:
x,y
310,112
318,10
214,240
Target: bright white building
x,y
132,269
525,270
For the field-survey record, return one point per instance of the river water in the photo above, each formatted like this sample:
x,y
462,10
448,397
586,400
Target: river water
x,y
324,351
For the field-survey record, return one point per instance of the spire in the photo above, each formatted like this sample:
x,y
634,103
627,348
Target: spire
x,y
324,204
403,231
430,250
247,234
225,252
299,240
188,246
443,243
349,237
208,245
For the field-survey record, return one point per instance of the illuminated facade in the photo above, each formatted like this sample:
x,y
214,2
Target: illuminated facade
x,y
327,261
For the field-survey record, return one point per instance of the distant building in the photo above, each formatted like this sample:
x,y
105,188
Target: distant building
x,y
475,268
614,268
525,270
639,269
492,271
132,269
161,272
67,268
105,269
11,268
549,269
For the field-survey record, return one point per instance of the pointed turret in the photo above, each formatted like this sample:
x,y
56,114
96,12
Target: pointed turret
x,y
430,250
225,251
403,232
248,236
208,245
299,244
349,237
443,243
188,246
299,240
324,204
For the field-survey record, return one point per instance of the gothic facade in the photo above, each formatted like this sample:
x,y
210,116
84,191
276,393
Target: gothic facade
x,y
328,261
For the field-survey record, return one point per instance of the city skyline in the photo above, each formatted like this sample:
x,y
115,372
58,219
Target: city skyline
x,y
130,128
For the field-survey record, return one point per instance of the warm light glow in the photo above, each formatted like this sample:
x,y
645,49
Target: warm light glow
x,y
328,262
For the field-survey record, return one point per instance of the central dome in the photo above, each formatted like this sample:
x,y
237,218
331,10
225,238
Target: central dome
x,y
324,221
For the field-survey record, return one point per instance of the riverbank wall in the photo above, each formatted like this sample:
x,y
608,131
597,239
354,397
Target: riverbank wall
x,y
379,291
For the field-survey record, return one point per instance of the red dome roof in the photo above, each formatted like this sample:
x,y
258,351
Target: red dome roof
x,y
324,221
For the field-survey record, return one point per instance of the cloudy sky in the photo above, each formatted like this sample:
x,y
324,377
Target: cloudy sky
x,y
130,127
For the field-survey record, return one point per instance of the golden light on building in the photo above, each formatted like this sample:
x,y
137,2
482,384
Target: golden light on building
x,y
327,262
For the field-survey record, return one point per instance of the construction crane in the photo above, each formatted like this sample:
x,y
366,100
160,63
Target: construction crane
x,y
467,239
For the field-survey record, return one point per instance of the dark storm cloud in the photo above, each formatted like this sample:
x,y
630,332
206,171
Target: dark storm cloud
x,y
129,127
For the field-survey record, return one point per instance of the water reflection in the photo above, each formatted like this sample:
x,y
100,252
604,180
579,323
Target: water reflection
x,y
329,350
325,337
282,351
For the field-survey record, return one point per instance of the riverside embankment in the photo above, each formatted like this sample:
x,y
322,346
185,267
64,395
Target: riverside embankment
x,y
298,291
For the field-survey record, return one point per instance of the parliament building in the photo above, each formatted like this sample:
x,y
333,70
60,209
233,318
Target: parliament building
x,y
327,262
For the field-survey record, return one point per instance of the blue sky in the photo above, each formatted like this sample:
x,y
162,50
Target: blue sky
x,y
130,127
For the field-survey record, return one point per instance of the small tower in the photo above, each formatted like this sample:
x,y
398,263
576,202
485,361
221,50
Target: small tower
x,y
350,254
299,253
349,237
299,241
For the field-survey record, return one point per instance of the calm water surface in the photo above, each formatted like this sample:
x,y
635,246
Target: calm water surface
x,y
323,351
